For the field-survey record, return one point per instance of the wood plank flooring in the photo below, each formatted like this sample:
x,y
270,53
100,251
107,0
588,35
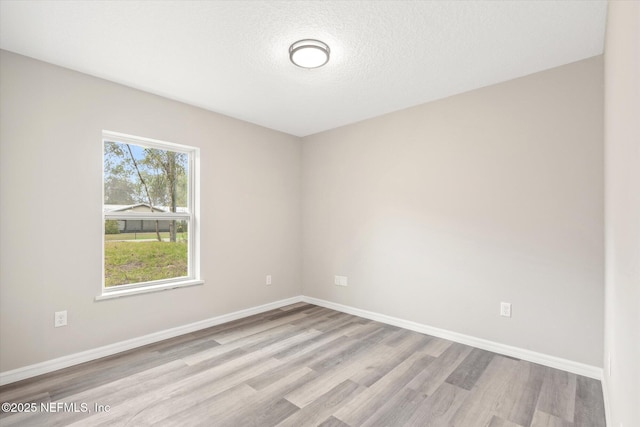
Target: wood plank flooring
x,y
304,365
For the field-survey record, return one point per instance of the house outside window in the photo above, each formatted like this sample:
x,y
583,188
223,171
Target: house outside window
x,y
150,215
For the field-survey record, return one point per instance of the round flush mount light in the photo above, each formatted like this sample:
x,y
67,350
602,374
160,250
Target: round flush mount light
x,y
309,53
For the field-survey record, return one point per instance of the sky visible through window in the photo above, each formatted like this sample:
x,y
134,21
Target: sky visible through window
x,y
135,174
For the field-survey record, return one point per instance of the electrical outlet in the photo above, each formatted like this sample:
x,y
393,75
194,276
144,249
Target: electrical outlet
x,y
268,279
505,309
60,318
340,280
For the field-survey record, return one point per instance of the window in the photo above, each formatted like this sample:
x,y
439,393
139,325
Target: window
x,y
150,216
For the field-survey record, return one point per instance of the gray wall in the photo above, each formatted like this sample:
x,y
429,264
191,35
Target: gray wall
x,y
622,144
50,173
438,213
435,213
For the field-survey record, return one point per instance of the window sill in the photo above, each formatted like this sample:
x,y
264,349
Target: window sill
x,y
147,289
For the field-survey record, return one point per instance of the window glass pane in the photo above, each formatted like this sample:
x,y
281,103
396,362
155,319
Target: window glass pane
x,y
143,242
139,179
142,251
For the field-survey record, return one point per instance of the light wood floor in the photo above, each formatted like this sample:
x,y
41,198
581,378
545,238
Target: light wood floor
x,y
304,365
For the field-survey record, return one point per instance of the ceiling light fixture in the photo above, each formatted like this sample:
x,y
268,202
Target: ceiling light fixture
x,y
309,53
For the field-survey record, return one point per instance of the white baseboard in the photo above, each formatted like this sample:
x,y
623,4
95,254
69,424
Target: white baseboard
x,y
108,350
519,353
607,402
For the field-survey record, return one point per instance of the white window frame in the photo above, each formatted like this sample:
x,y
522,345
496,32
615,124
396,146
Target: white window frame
x,y
192,216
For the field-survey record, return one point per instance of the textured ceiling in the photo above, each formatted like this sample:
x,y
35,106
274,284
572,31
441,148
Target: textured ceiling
x,y
232,57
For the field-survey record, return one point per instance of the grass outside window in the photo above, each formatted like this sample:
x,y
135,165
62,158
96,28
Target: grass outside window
x,y
133,261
